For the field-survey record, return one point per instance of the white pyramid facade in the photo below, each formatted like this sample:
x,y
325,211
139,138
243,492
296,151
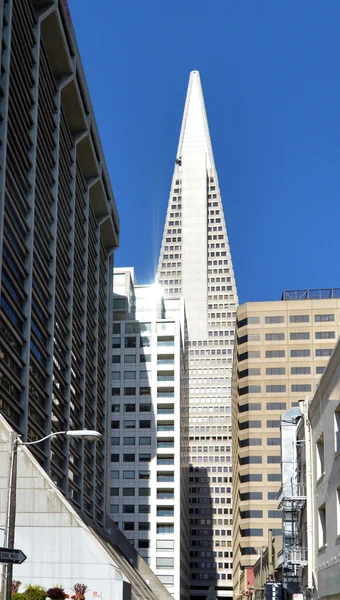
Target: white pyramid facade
x,y
195,262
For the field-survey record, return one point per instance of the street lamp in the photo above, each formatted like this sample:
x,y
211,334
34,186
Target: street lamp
x,y
84,434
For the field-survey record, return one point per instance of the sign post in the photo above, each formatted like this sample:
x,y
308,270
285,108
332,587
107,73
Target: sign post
x,y
11,556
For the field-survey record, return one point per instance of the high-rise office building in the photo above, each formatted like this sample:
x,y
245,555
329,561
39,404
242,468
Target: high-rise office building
x,y
281,351
149,428
58,230
195,263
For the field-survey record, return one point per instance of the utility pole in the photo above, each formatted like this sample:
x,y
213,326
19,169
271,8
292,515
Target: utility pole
x,y
11,512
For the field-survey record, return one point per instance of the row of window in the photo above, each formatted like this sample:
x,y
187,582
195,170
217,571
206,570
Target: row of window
x,y
294,336
276,319
258,514
275,389
249,477
301,353
275,371
257,496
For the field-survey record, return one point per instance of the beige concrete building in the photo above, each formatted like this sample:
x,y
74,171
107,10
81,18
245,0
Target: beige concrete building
x,y
281,351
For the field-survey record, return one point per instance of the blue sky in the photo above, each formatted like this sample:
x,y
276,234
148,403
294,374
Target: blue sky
x,y
270,72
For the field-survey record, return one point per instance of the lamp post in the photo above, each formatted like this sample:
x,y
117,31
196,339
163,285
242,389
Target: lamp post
x,y
84,434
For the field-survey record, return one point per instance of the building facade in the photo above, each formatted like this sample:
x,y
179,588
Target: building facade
x,y
195,263
281,351
58,230
318,467
149,428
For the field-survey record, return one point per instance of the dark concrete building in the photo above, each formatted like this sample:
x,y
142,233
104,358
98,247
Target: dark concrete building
x,y
58,230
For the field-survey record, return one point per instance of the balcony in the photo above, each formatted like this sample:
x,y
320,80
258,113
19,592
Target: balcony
x,y
291,496
294,555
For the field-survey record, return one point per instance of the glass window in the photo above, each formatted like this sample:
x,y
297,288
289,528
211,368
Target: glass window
x,y
129,508
144,358
164,562
275,353
114,474
165,528
128,491
165,545
145,407
128,526
129,374
145,391
274,337
144,424
129,441
300,370
275,389
130,358
306,387
144,526
323,352
129,424
144,457
115,441
115,391
144,474
116,358
115,375
115,408
116,342
114,508
128,474
144,509
299,335
144,441
129,408
129,391
323,318
276,371
129,458
325,335
300,353
274,319
144,491
299,319
116,328
130,342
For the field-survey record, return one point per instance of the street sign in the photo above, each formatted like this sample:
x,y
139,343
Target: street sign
x,y
12,556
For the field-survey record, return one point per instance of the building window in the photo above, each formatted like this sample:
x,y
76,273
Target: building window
x,y
251,460
274,319
251,514
305,353
323,318
276,371
322,526
127,526
129,441
129,424
275,389
165,545
276,406
273,424
274,337
251,496
323,352
274,514
129,408
128,509
130,358
325,335
165,528
250,425
128,491
274,477
273,441
319,370
300,335
274,460
300,371
144,526
167,580
250,477
304,387
130,342
275,353
252,532
249,389
144,441
299,319
129,391
337,428
320,456
128,458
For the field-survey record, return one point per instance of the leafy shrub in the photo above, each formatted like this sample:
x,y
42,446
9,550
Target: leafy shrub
x,y
34,592
17,596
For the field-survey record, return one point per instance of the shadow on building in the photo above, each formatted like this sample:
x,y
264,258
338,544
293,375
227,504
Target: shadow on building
x,y
203,558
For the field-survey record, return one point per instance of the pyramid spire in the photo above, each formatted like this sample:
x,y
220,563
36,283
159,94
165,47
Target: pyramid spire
x,y
195,263
194,134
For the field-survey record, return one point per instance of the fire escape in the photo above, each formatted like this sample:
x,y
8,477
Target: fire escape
x,y
291,499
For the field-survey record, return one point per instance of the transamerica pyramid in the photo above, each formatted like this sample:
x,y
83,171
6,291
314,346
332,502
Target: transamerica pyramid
x,y
195,262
